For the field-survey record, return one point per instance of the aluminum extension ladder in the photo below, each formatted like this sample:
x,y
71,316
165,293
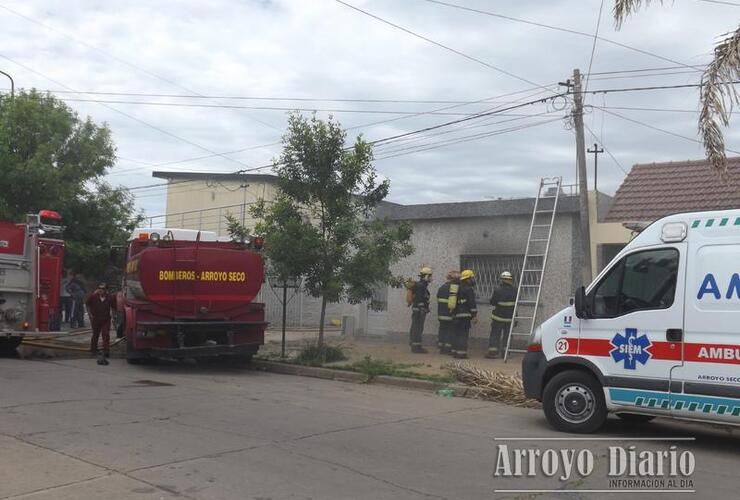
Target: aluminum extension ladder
x,y
533,268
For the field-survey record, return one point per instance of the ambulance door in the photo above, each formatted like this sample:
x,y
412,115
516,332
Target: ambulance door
x,y
709,378
632,309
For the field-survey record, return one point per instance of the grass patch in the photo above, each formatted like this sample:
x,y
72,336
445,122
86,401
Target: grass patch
x,y
373,367
314,354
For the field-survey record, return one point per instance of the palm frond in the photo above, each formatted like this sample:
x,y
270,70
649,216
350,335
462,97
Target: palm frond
x,y
718,96
624,8
492,386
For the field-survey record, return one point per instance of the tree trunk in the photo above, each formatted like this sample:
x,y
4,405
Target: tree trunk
x,y
322,320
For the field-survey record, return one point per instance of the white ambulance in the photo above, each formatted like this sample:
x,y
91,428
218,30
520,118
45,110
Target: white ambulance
x,y
657,333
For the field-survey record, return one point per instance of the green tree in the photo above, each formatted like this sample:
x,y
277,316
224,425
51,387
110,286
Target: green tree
x,y
51,159
321,225
718,92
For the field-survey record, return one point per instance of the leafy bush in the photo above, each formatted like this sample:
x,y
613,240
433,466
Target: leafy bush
x,y
315,354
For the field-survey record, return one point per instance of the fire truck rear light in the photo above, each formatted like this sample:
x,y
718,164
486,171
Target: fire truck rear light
x,y
50,214
534,348
258,241
143,236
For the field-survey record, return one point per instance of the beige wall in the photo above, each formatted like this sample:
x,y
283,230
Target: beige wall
x,y
603,233
196,204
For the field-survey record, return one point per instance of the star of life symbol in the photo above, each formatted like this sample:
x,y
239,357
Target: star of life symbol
x,y
630,348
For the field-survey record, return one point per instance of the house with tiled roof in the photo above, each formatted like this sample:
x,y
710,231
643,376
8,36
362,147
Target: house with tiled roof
x,y
653,190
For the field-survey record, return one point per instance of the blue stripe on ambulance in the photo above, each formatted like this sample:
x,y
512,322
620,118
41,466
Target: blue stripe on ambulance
x,y
685,402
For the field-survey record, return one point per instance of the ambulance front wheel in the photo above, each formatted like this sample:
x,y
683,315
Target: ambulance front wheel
x,y
573,401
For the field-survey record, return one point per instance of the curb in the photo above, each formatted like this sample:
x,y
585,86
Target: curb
x,y
462,391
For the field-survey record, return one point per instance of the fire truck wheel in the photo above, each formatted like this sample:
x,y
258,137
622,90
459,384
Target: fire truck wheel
x,y
635,418
134,357
9,345
573,401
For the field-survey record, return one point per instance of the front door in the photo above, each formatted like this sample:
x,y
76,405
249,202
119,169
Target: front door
x,y
632,307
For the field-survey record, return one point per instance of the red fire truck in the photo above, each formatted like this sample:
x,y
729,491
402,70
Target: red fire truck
x,y
190,294
31,260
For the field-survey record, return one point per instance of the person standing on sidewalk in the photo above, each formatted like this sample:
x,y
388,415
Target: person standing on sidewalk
x,y
65,299
465,313
76,289
419,309
99,306
446,301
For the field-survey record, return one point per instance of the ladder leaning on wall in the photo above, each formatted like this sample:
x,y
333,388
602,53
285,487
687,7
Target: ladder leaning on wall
x,y
533,268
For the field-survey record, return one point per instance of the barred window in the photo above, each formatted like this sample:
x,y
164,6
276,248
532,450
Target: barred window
x,y
487,269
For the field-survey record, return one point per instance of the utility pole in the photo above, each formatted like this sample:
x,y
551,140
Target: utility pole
x,y
582,179
596,151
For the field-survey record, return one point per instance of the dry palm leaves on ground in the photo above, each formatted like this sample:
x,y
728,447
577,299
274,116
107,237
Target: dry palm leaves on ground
x,y
493,386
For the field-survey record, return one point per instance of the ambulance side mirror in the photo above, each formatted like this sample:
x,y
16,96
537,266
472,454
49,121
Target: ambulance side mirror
x,y
580,303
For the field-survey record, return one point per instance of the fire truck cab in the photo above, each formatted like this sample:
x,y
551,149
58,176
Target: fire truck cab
x,y
31,260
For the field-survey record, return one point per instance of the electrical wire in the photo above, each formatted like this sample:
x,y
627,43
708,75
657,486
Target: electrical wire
x,y
593,46
603,146
114,57
438,44
561,29
123,113
668,132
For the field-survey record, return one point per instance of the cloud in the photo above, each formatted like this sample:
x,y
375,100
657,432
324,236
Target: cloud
x,y
321,49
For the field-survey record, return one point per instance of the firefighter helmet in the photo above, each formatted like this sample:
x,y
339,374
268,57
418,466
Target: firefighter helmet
x,y
467,274
425,271
506,276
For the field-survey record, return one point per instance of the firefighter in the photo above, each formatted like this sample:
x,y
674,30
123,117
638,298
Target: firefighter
x,y
465,313
503,300
445,307
99,305
419,308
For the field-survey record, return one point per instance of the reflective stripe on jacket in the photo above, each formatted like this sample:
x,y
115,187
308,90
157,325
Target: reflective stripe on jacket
x,y
466,305
443,302
503,301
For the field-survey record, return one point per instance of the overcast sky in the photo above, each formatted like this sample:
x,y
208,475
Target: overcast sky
x,y
320,49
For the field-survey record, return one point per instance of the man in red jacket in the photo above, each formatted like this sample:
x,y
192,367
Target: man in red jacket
x,y
99,305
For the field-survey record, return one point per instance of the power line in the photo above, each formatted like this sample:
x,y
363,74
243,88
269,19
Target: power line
x,y
653,127
439,144
614,159
114,57
264,98
381,122
593,46
664,110
269,108
131,117
558,28
433,42
647,75
388,139
722,2
642,70
640,89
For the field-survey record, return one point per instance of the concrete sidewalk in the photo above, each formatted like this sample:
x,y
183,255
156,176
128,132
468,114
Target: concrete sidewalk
x,y
392,348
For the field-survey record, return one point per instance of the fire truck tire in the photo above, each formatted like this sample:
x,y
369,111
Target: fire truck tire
x,y
9,345
635,418
574,401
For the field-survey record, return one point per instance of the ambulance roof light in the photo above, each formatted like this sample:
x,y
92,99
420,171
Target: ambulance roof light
x,y
673,232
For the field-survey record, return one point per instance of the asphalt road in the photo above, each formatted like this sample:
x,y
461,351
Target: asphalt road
x,y
70,429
